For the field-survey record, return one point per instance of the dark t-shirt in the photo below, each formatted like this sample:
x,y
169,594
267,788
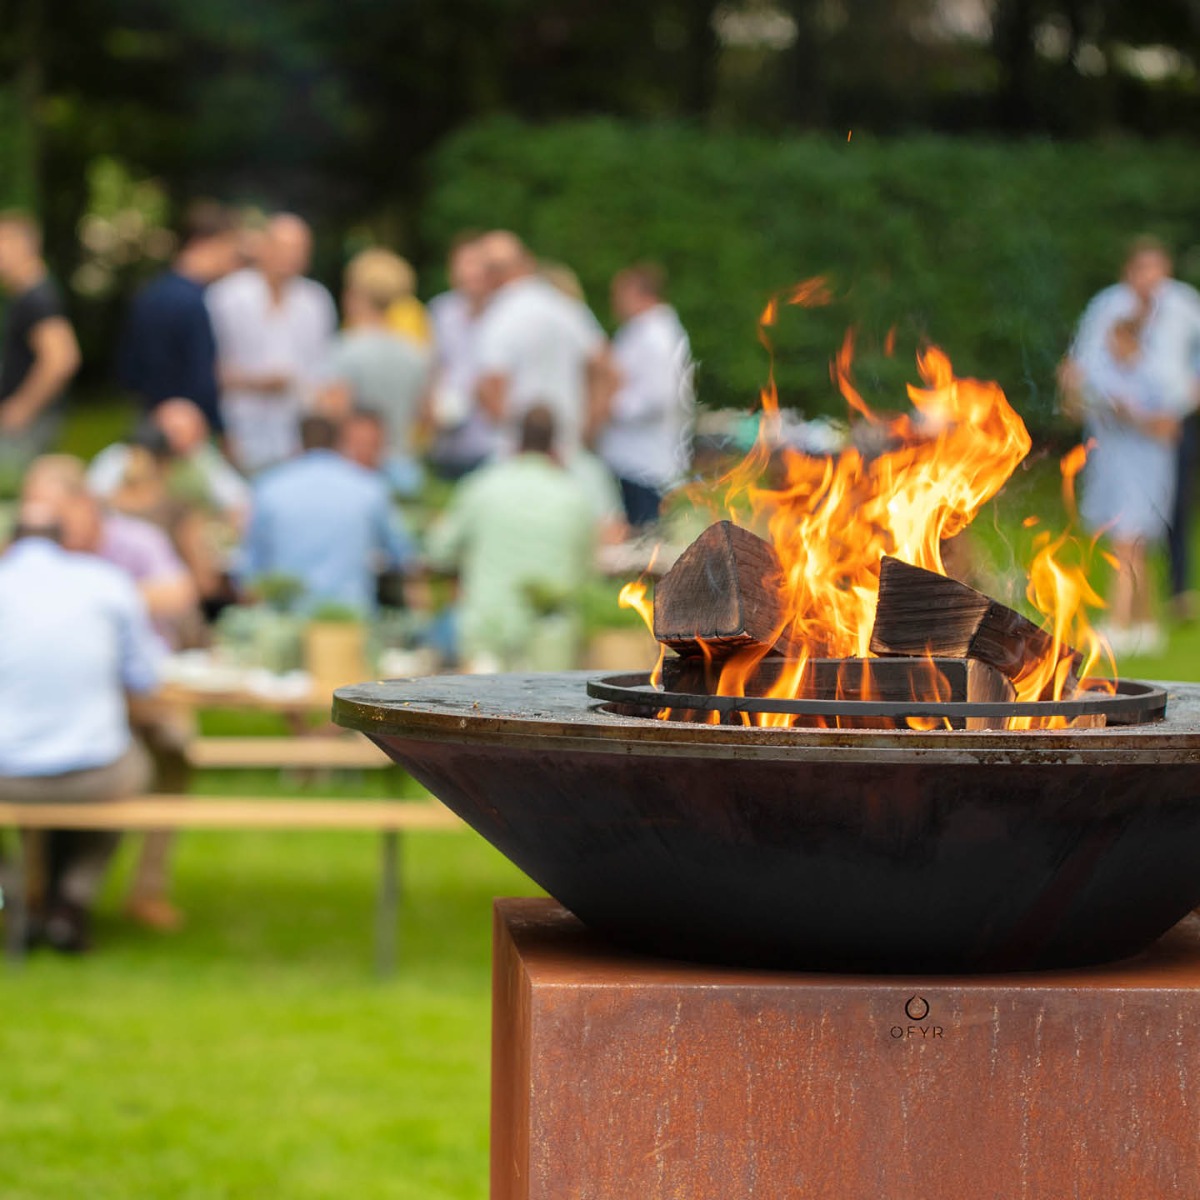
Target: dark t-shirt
x,y
168,349
25,312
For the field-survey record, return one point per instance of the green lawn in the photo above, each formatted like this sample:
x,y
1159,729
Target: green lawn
x,y
254,1054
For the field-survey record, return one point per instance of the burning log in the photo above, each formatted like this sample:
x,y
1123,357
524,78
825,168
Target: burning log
x,y
725,590
921,612
943,679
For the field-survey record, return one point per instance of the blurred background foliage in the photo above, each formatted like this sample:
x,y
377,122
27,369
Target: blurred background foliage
x,y
989,248
1002,151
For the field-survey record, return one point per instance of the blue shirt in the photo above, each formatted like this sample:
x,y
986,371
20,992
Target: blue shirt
x,y
73,636
326,522
168,348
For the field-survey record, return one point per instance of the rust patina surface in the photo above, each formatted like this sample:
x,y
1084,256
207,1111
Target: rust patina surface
x,y
623,1078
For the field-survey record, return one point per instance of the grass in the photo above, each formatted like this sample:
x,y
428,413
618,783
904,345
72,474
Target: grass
x,y
255,1054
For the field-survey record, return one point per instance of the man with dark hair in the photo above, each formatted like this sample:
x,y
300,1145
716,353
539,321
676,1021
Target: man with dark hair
x,y
522,534
324,521
645,427
38,351
168,348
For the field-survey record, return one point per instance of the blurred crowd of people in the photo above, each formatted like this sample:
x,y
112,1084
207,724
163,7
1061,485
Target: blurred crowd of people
x,y
277,439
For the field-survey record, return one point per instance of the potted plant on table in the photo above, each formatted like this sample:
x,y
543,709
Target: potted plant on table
x,y
335,647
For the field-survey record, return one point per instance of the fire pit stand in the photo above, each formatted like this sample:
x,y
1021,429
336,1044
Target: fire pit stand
x,y
617,1077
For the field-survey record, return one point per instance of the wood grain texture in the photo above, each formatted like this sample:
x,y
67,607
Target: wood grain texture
x,y
192,812
950,679
655,1080
353,752
921,612
724,590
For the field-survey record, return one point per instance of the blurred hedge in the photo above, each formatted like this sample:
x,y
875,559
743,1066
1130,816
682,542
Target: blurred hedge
x,y
989,249
17,186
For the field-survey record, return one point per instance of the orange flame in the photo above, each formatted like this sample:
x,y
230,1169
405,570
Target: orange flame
x,y
907,483
1059,590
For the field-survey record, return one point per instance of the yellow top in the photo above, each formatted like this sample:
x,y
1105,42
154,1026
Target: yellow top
x,y
408,318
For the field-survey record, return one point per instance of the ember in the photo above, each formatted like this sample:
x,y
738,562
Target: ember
x,y
849,565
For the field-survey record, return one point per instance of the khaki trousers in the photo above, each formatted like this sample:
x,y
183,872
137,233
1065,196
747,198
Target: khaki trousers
x,y
76,859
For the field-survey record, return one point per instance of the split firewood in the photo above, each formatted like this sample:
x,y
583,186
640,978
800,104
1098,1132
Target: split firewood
x,y
725,590
923,613
942,679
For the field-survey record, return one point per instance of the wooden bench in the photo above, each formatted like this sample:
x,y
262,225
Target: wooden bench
x,y
323,753
389,817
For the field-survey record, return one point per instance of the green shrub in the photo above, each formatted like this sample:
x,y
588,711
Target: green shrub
x,y
991,250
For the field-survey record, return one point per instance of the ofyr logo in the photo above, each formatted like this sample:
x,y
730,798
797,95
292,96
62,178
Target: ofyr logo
x,y
916,1009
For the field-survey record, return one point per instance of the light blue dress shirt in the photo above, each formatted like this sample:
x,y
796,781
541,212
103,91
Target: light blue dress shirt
x,y
73,636
327,522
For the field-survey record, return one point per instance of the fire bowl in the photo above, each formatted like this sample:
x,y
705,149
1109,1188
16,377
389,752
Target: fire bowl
x,y
808,849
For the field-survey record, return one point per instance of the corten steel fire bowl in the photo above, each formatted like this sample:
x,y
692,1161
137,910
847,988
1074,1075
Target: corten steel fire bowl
x,y
858,849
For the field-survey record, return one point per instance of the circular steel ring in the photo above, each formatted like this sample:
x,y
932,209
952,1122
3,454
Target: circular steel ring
x,y
1133,702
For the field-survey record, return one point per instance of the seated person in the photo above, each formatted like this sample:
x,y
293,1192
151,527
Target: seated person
x,y
177,433
363,439
324,521
77,636
522,533
138,547
144,554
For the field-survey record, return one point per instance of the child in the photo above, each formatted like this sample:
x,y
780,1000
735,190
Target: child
x,y
1129,482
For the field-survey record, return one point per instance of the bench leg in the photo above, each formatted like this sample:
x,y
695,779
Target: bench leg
x,y
16,909
388,908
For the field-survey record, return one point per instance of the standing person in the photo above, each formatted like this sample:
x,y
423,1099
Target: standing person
x,y
77,636
1170,342
326,522
273,329
1128,483
645,430
464,436
536,346
372,367
407,317
168,348
38,351
522,534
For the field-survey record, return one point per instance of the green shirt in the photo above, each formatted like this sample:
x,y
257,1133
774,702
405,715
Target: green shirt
x,y
522,533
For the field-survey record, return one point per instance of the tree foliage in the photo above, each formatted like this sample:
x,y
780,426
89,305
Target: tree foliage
x,y
989,249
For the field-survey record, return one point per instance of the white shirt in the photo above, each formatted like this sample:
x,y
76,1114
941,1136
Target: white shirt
x,y
465,435
648,438
75,636
1171,341
255,335
455,328
540,340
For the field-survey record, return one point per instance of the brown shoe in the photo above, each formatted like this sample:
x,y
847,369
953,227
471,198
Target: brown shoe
x,y
154,912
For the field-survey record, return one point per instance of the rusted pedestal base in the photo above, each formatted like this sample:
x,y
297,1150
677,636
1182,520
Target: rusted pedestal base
x,y
620,1078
